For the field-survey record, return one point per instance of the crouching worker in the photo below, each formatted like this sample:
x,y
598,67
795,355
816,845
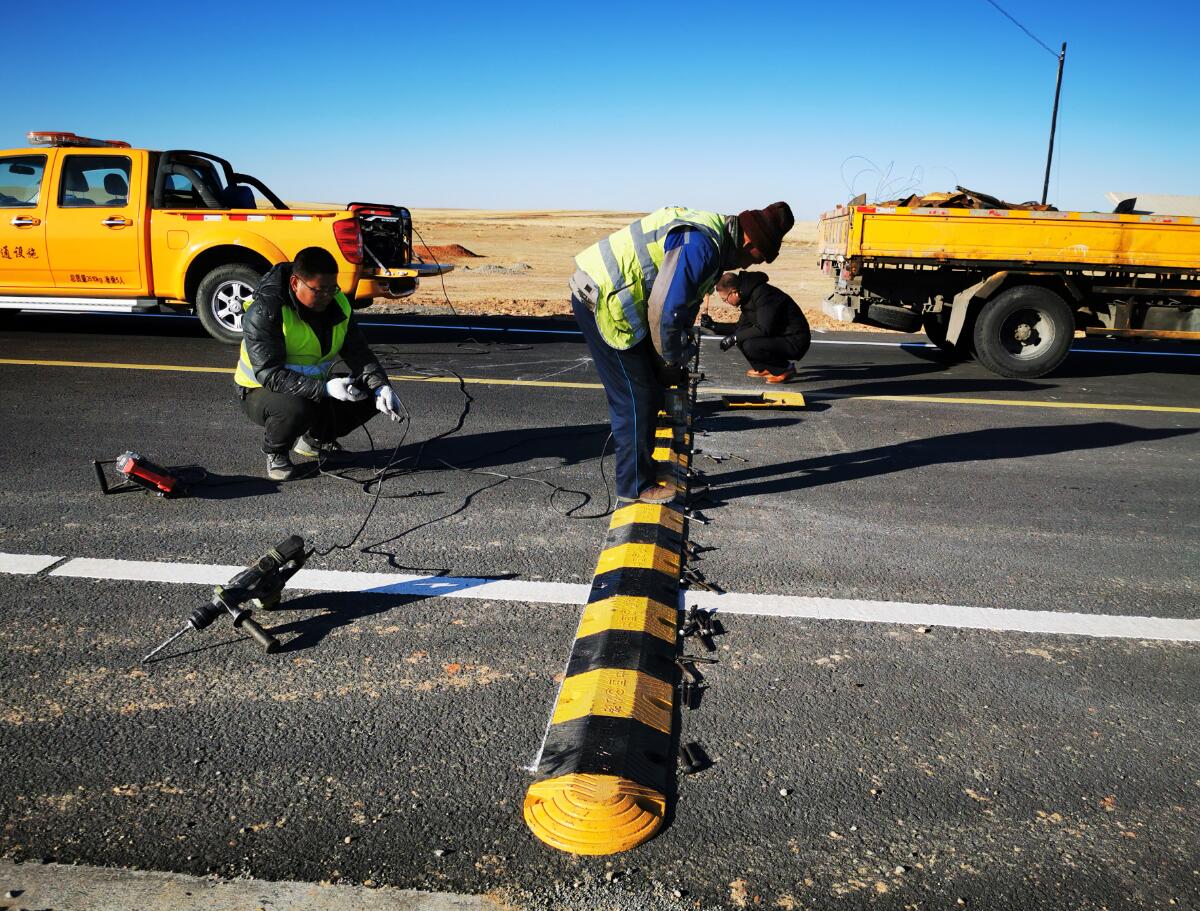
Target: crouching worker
x,y
771,330
298,325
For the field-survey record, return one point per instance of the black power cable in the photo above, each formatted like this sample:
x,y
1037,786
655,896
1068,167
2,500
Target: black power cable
x,y
390,359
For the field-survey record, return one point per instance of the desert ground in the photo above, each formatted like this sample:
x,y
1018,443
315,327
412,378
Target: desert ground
x,y
518,262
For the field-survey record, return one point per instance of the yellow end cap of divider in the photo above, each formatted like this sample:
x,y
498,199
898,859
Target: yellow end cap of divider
x,y
593,814
648,514
615,693
638,556
625,612
765,400
788,399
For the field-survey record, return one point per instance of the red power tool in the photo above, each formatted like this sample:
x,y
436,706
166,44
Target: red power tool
x,y
139,472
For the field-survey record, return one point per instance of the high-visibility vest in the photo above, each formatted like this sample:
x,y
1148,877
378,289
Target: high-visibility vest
x,y
625,264
304,354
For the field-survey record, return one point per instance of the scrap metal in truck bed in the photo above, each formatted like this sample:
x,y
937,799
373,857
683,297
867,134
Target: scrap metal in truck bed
x,y
1010,285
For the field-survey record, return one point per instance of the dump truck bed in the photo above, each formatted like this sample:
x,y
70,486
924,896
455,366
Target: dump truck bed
x,y
929,236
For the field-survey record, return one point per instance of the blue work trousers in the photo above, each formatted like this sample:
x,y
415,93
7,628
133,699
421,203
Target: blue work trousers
x,y
635,396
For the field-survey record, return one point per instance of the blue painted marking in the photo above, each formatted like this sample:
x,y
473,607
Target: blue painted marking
x,y
815,341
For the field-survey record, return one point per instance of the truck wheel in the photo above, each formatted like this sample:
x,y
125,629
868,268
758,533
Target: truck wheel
x,y
935,326
1024,332
220,298
892,317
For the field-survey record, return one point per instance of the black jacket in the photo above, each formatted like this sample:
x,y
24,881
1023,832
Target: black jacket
x,y
262,331
766,311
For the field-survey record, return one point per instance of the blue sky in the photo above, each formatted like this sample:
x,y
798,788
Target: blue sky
x,y
628,106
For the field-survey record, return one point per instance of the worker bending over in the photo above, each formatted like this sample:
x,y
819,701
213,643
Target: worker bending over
x,y
297,327
771,330
636,295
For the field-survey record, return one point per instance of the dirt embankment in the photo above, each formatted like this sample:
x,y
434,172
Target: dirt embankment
x,y
518,263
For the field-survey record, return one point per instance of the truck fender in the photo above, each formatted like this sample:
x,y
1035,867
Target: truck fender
x,y
969,299
254,243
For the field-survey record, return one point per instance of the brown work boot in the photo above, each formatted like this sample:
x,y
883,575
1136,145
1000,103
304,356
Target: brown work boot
x,y
782,377
657,494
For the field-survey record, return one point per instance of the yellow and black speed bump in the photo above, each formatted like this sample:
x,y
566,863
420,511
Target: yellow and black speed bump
x,y
607,764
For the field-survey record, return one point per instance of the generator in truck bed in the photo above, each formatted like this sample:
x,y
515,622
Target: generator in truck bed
x,y
1012,285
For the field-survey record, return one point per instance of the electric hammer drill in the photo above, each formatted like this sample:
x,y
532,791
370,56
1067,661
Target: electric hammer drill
x,y
259,584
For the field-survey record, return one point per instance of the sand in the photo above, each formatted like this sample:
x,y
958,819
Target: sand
x,y
521,262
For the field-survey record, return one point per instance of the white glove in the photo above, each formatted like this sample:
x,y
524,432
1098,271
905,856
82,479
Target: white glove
x,y
388,402
342,389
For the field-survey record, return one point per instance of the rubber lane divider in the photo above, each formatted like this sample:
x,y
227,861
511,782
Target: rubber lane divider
x,y
608,763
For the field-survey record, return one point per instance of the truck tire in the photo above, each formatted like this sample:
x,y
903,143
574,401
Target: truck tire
x,y
892,317
1024,332
936,326
219,300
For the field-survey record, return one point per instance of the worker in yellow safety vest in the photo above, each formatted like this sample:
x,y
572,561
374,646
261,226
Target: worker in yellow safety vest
x,y
298,330
636,294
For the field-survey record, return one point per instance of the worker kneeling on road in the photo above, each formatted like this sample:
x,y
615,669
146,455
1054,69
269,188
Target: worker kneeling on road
x,y
636,294
771,330
297,327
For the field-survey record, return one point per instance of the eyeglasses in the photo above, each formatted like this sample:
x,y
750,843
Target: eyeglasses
x,y
318,292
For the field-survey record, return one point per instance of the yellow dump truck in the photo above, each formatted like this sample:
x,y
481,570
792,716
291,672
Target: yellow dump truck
x,y
92,225
1013,286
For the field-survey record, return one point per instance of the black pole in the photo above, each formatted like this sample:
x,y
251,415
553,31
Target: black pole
x,y
1054,121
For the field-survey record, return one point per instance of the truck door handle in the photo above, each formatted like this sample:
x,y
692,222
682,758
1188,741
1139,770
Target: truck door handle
x,y
22,221
116,221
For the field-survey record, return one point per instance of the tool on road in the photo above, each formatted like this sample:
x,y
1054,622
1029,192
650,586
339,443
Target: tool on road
x,y
694,758
259,584
703,624
138,471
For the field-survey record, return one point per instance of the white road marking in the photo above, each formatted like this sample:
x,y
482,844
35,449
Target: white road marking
x,y
146,571
26,564
1058,623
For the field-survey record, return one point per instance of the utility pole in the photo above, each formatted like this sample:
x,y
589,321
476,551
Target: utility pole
x,y
1062,55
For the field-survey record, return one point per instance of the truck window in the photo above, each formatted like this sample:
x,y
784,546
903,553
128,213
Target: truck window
x,y
21,180
191,182
100,181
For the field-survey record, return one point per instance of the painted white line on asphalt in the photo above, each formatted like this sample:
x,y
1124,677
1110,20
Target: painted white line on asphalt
x,y
1108,626
26,564
146,571
325,580
1105,626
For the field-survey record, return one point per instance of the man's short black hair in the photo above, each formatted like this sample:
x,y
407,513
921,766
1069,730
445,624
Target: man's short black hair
x,y
313,261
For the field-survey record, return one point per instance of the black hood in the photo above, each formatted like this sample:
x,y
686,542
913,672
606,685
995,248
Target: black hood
x,y
748,281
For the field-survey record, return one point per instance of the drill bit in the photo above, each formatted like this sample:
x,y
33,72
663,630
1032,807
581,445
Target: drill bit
x,y
186,627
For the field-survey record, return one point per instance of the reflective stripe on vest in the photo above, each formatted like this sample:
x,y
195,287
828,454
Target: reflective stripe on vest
x,y
625,264
304,353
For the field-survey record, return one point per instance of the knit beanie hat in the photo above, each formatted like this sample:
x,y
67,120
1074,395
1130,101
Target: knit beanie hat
x,y
766,227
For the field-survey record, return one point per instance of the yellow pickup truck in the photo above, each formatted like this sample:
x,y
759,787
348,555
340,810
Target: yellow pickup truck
x,y
1013,286
90,225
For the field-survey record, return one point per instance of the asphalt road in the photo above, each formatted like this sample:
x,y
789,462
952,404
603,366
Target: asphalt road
x,y
856,764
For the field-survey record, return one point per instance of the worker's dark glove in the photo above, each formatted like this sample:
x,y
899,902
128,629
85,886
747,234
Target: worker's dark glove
x,y
672,375
728,342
